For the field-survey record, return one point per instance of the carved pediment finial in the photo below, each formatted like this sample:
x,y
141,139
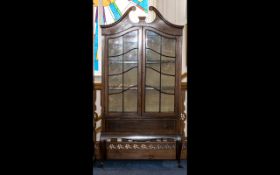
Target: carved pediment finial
x,y
142,19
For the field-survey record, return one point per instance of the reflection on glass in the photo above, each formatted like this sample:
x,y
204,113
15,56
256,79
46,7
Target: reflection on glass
x,y
113,67
160,73
130,78
153,41
168,47
115,46
115,81
123,66
130,100
130,41
167,83
115,103
123,73
168,65
168,68
152,60
131,55
152,56
151,100
130,62
128,66
167,103
152,78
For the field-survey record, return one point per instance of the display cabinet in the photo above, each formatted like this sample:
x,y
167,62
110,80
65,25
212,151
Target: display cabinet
x,y
141,78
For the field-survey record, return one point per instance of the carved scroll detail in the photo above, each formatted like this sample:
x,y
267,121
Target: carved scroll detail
x,y
140,146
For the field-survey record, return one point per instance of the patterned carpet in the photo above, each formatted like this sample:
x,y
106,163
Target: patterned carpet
x,y
140,167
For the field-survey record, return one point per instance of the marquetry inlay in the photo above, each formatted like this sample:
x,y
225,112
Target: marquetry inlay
x,y
140,146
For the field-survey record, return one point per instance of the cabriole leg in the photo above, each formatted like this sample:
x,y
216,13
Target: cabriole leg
x,y
178,152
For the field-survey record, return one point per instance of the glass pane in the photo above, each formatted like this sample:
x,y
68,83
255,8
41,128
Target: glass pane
x,y
115,65
152,78
152,56
168,65
115,46
115,59
151,100
153,41
130,78
115,82
130,41
167,84
129,66
167,103
131,55
130,60
152,60
130,100
115,103
168,47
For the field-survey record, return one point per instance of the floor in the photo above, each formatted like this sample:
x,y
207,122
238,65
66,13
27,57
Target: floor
x,y
140,167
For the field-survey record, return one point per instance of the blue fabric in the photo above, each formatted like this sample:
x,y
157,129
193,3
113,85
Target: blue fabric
x,y
141,167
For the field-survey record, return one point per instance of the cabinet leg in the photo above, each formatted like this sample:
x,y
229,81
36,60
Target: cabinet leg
x,y
103,152
178,152
94,157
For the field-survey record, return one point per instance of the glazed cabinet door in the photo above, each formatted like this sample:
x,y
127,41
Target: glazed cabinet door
x,y
122,78
159,73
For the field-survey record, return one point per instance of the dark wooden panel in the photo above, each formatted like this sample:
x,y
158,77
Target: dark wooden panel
x,y
139,125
